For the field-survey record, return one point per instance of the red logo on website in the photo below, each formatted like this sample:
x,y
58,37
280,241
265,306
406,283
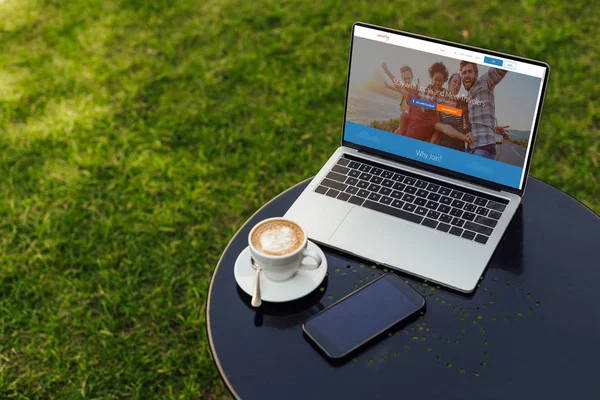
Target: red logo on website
x,y
383,36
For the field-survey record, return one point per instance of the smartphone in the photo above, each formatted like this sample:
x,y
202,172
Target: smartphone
x,y
362,316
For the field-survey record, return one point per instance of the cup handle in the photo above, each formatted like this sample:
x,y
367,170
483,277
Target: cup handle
x,y
315,256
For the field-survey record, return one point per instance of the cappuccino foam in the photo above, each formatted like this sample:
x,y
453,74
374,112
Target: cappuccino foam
x,y
277,238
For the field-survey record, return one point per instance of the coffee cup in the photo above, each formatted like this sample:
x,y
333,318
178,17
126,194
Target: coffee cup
x,y
279,247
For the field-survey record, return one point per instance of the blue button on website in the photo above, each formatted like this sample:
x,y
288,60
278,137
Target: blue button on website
x,y
423,103
494,61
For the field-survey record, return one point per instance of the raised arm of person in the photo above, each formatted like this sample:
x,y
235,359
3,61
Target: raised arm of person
x,y
388,72
450,131
398,86
495,75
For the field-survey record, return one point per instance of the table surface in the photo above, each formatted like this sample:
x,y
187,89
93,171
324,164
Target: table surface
x,y
530,329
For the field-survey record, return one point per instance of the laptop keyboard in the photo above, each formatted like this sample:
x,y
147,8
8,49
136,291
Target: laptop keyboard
x,y
458,211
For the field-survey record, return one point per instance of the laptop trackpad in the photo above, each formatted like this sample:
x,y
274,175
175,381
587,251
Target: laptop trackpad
x,y
380,237
413,248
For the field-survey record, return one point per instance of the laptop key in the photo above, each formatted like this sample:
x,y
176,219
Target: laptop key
x,y
409,207
443,227
429,222
470,207
340,169
386,200
374,188
351,181
363,184
433,214
421,184
456,231
362,193
333,184
365,177
364,168
397,203
394,177
396,194
486,221
393,211
495,214
321,189
354,173
445,218
432,205
468,216
422,193
456,194
481,201
469,235
351,190
387,183
336,177
408,197
458,203
376,171
385,191
354,165
399,186
496,206
409,181
456,212
410,190
457,222
446,200
444,209
434,196
482,211
376,179
420,201
374,197
478,228
387,174
332,193
356,200
481,239
468,198
433,187
343,161
444,191
343,196
421,210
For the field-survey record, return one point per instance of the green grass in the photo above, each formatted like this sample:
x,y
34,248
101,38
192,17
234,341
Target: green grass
x,y
137,137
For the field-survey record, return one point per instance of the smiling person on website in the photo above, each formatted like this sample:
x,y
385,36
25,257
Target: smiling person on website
x,y
482,107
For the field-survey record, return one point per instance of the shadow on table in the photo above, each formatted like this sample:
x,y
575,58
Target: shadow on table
x,y
289,314
510,252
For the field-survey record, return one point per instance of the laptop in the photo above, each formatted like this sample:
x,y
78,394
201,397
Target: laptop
x,y
436,146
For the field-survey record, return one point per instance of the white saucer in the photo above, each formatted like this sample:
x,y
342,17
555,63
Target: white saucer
x,y
304,282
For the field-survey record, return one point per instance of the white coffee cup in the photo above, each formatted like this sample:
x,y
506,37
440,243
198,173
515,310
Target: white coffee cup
x,y
279,248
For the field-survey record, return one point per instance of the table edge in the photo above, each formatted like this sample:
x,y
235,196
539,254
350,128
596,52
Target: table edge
x,y
208,331
566,194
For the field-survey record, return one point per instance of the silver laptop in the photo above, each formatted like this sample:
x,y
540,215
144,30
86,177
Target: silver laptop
x,y
436,145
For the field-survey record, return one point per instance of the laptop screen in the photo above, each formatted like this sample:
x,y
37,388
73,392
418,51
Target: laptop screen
x,y
466,111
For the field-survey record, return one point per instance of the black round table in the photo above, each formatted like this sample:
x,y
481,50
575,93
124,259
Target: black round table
x,y
531,329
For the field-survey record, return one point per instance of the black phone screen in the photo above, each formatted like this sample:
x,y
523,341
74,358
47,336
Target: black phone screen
x,y
362,315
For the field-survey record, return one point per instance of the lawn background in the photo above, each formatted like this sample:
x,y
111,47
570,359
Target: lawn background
x,y
136,137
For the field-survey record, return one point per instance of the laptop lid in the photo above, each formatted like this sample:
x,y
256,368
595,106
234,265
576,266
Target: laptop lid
x,y
440,105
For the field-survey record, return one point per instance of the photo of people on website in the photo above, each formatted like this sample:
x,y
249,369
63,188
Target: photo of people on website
x,y
454,103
